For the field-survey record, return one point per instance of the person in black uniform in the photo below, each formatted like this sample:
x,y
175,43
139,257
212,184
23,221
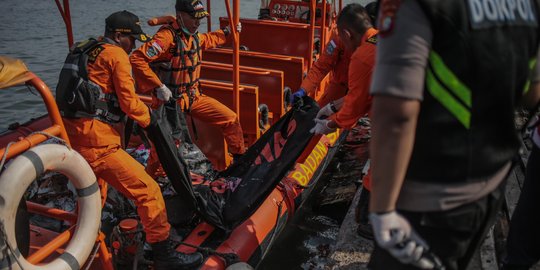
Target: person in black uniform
x,y
448,77
522,244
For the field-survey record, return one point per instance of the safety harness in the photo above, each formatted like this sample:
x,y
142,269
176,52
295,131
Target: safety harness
x,y
178,74
79,97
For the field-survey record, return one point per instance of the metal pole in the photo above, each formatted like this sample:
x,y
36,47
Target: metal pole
x,y
313,9
323,28
209,18
236,59
66,16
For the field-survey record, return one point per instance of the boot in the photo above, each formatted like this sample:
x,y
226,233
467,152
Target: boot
x,y
364,228
165,257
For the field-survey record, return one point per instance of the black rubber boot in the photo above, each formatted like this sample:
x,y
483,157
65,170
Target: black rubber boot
x,y
362,215
165,257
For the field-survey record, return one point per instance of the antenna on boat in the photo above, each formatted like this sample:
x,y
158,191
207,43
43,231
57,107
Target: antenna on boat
x,y
313,10
234,20
66,16
209,17
323,27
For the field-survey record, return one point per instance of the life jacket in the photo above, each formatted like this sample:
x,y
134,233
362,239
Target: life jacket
x,y
180,73
79,97
478,69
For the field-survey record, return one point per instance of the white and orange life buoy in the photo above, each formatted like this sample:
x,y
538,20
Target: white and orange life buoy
x,y
21,172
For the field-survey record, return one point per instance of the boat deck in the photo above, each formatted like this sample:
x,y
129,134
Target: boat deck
x,y
351,251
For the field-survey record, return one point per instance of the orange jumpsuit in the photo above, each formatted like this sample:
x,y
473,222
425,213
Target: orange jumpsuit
x,y
99,143
333,59
162,48
357,102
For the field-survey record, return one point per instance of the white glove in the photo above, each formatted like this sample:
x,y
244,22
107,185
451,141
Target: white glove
x,y
326,111
394,234
227,29
330,108
239,27
321,127
163,93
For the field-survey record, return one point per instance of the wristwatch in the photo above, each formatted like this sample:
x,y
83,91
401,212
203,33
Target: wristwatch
x,y
333,107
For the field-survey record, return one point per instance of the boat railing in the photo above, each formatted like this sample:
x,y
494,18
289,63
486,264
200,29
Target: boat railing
x,y
55,129
249,100
292,66
281,38
270,82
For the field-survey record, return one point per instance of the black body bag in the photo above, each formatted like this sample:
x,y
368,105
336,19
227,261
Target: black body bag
x,y
266,162
176,168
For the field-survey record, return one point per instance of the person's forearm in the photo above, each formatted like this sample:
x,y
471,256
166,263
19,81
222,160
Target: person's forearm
x,y
213,39
314,77
146,79
393,132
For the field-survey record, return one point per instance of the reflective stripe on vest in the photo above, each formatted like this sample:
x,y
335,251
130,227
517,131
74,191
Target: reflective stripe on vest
x,y
532,64
446,88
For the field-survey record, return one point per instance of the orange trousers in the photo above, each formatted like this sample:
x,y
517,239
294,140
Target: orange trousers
x,y
213,112
124,173
333,91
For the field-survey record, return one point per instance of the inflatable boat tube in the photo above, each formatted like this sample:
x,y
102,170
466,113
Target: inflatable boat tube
x,y
16,178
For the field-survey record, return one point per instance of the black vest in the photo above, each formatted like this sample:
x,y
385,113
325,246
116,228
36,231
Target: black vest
x,y
478,68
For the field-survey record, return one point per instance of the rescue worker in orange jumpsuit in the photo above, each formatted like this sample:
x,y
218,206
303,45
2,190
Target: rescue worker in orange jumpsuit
x,y
94,137
335,59
358,35
179,46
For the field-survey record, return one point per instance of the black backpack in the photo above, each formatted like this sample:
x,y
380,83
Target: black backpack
x,y
79,97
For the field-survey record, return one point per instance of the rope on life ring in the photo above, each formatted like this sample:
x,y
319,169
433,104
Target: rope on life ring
x,y
14,181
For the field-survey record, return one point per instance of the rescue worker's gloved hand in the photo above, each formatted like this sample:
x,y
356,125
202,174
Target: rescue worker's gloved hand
x,y
322,127
394,234
163,93
227,29
297,95
326,111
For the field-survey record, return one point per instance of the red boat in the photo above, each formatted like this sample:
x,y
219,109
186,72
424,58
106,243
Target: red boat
x,y
242,80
